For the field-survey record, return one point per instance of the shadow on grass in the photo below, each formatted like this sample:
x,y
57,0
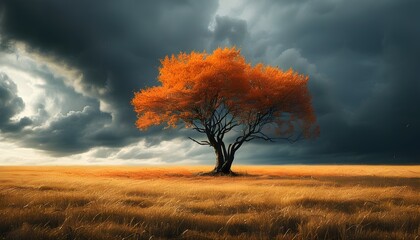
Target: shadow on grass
x,y
344,206
339,181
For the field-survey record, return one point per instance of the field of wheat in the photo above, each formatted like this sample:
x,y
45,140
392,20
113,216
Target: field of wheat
x,y
264,202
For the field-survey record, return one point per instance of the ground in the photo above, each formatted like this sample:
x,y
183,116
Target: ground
x,y
263,202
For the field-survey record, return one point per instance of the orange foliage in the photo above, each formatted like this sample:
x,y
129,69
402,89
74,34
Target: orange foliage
x,y
195,85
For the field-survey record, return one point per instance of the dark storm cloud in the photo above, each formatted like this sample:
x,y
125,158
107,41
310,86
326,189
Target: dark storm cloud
x,y
74,132
10,105
362,59
116,46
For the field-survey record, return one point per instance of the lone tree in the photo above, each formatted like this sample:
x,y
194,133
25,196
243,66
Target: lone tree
x,y
228,100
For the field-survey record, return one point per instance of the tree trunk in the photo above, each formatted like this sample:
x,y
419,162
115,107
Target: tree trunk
x,y
226,168
220,160
223,163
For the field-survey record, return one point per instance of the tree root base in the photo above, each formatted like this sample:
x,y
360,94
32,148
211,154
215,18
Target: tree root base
x,y
215,174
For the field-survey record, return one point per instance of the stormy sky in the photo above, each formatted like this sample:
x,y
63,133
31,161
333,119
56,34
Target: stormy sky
x,y
68,70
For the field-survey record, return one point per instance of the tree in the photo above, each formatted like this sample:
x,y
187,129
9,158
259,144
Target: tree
x,y
230,101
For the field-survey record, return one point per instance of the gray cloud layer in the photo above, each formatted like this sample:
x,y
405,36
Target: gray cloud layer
x,y
10,105
361,57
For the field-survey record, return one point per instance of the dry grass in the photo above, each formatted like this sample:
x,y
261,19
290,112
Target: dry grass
x,y
284,202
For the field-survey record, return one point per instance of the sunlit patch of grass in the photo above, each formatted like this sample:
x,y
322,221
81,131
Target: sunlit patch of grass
x,y
293,202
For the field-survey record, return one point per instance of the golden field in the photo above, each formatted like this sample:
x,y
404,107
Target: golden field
x,y
264,202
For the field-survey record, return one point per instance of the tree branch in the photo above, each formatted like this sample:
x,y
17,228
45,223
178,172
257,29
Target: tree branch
x,y
201,142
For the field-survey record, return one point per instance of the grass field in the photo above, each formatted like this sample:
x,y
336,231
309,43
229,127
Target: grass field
x,y
266,202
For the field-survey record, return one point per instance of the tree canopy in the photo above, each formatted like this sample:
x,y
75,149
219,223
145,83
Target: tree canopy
x,y
220,92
